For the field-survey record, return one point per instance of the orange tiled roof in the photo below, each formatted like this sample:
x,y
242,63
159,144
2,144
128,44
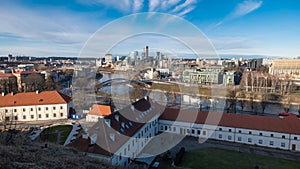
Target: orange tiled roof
x,y
290,124
100,110
32,98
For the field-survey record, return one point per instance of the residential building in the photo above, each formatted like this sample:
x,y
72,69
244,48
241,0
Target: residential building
x,y
123,134
204,76
282,133
285,67
8,83
98,111
33,106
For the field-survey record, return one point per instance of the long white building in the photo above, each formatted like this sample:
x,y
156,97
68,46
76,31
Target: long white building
x,y
33,106
282,133
119,137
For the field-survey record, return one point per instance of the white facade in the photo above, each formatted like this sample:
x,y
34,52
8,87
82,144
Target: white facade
x,y
239,135
135,144
36,112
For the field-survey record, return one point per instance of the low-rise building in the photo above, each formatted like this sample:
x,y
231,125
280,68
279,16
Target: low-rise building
x,y
282,133
34,106
204,76
98,111
122,135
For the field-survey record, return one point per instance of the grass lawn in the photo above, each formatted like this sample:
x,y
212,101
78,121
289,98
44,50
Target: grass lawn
x,y
51,134
212,158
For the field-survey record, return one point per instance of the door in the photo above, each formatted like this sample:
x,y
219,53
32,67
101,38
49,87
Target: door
x,y
293,147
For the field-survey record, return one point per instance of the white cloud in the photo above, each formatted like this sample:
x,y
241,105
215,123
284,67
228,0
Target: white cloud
x,y
184,5
242,9
137,5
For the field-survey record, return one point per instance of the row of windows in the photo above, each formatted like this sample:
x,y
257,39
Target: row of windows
x,y
193,131
31,109
40,116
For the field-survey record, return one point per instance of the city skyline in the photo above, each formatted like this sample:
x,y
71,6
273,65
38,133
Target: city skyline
x,y
237,27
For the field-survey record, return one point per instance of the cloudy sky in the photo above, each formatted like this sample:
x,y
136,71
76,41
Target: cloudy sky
x,y
234,27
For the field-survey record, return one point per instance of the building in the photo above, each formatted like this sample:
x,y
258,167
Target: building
x,y
108,59
282,133
33,106
8,83
204,76
98,111
122,135
229,78
285,67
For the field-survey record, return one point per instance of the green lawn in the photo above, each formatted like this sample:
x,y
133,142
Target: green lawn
x,y
51,134
212,158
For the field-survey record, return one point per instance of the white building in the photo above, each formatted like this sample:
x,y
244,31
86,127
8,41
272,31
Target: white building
x,y
119,137
282,133
98,111
33,106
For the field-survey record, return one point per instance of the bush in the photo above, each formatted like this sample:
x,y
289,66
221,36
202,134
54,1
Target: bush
x,y
179,156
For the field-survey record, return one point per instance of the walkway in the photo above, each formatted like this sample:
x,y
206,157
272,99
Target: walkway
x,y
73,133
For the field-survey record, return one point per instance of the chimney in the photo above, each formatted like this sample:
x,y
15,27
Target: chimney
x,y
12,93
37,91
94,139
3,94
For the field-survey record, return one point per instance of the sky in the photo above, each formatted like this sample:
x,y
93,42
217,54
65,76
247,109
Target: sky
x,y
68,28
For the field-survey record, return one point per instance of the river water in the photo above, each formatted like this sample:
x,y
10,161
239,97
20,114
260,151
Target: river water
x,y
121,91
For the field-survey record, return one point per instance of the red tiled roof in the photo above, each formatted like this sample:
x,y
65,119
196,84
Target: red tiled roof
x,y
32,98
290,124
84,145
6,75
100,110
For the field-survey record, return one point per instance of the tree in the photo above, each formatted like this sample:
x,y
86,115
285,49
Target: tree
x,y
264,103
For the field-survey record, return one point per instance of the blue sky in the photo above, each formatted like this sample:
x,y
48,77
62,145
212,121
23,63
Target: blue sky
x,y
234,27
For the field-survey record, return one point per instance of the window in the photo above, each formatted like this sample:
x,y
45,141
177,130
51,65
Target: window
x,y
204,133
282,144
166,127
295,138
188,131
161,127
39,109
31,109
54,114
174,129
260,134
229,130
16,117
40,116
260,141
24,116
24,109
220,129
46,108
249,140
271,143
54,107
61,107
272,135
32,116
250,132
61,114
283,136
193,131
220,135
15,110
239,138
229,137
6,110
47,115
198,132
240,131
120,157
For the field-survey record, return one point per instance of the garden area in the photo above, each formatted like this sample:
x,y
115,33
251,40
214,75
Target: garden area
x,y
56,134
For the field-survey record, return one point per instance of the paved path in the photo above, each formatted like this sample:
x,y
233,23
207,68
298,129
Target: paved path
x,y
72,134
